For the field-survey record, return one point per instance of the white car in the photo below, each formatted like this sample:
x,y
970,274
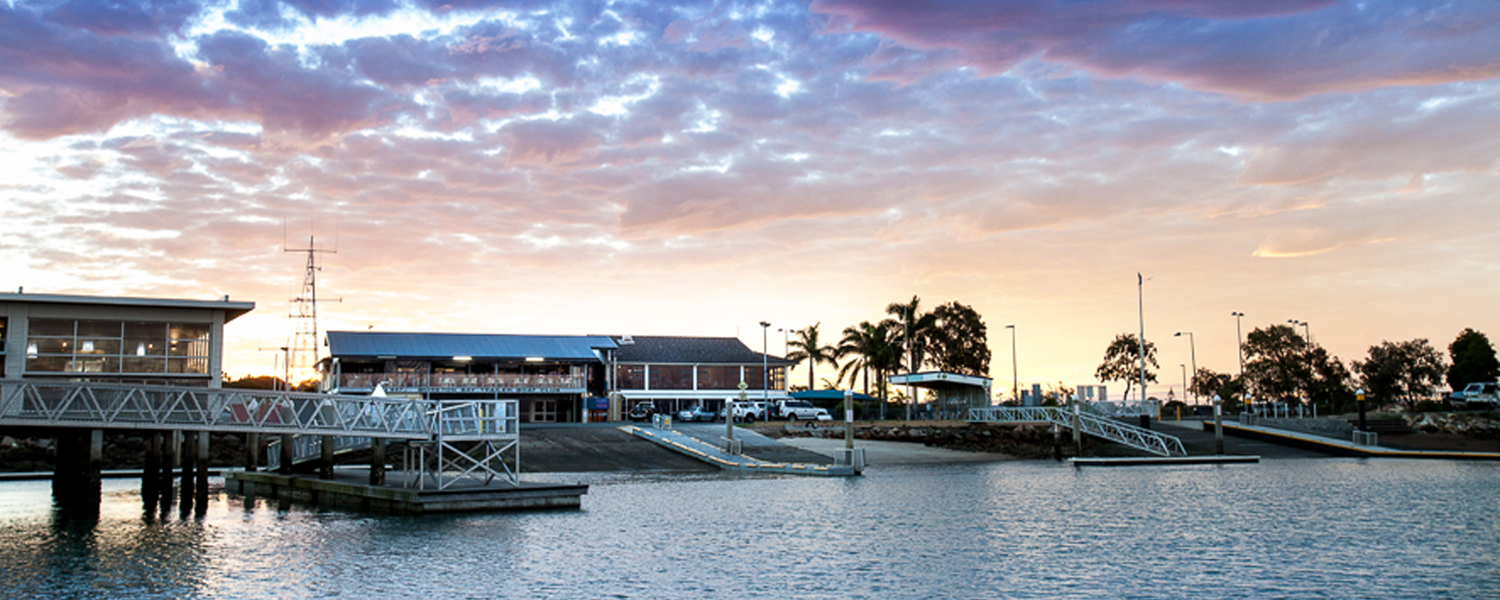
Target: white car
x,y
801,410
752,411
1478,394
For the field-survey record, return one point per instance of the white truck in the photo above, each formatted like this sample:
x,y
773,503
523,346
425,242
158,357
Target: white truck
x,y
1480,394
801,410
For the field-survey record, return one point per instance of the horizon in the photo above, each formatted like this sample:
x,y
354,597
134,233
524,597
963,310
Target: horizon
x,y
572,167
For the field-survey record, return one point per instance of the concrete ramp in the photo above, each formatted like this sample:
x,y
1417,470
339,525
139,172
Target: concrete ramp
x,y
715,455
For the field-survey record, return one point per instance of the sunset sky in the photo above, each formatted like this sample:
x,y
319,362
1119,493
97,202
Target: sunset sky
x,y
634,167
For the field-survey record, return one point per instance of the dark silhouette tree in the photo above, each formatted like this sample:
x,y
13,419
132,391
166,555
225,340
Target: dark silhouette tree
x,y
1122,361
868,346
1473,360
1401,371
959,340
912,330
806,346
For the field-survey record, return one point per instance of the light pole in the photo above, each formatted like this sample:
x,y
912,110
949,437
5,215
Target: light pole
x,y
1015,380
786,350
1193,347
1306,329
765,370
1240,342
1184,382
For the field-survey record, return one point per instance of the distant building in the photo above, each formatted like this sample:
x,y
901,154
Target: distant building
x,y
677,373
556,378
1092,393
115,339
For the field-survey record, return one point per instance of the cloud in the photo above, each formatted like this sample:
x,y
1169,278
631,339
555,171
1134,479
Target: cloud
x,y
1263,50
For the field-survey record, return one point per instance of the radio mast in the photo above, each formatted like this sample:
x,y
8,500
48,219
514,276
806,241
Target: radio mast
x,y
302,353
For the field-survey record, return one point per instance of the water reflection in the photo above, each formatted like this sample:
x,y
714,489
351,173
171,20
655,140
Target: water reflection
x,y
1295,529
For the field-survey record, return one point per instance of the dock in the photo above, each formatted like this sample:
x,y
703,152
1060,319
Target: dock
x,y
715,455
1134,461
349,490
1340,447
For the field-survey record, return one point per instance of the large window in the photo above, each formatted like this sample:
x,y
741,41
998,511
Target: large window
x,y
128,347
630,377
719,377
671,377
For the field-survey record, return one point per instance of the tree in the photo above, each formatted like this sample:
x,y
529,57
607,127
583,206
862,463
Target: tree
x,y
1276,363
1209,383
1282,365
868,345
1473,360
913,327
1122,361
808,347
1402,371
959,340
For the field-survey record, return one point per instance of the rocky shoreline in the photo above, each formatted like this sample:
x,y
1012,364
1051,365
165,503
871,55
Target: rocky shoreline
x,y
1021,441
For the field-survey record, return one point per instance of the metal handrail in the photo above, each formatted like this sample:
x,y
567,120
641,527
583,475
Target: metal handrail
x,y
121,406
1091,424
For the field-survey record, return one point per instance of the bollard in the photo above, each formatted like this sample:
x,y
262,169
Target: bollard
x,y
1218,425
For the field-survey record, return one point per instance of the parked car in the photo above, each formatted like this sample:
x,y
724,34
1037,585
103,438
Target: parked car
x,y
642,411
696,413
746,411
801,410
1480,394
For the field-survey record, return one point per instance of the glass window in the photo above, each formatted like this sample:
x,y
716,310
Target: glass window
x,y
189,331
47,364
718,377
133,364
50,327
49,346
109,329
630,377
187,365
671,377
752,377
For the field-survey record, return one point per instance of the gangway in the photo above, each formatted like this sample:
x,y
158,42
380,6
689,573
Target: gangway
x,y
449,440
1125,434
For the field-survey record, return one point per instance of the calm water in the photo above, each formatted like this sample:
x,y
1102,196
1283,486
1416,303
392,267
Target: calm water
x,y
1325,528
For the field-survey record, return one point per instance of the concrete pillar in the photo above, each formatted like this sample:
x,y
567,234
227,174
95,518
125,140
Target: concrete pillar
x,y
377,461
287,453
151,471
201,474
1056,442
325,462
252,452
75,475
188,455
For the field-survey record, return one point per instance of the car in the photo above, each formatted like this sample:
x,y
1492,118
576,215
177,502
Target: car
x,y
1480,394
746,411
696,413
795,410
642,411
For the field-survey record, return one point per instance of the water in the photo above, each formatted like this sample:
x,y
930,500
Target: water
x,y
1324,528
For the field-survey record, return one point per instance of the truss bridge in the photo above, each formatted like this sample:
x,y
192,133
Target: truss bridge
x,y
1085,422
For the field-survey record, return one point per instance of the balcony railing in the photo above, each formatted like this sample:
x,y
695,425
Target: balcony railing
x,y
458,381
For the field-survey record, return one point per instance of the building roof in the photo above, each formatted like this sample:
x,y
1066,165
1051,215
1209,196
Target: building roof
x,y
690,350
378,344
835,395
232,310
939,380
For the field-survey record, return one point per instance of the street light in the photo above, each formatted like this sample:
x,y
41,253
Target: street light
x,y
786,350
1192,346
765,370
1306,329
1240,338
1015,381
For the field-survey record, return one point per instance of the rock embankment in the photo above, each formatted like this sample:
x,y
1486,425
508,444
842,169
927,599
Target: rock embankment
x,y
1024,441
1481,426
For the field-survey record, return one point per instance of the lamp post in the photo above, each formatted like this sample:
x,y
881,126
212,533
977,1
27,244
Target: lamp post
x,y
765,370
1015,380
1193,347
1240,342
786,350
1184,381
1306,329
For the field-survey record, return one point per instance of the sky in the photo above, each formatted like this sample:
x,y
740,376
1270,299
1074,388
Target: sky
x,y
695,168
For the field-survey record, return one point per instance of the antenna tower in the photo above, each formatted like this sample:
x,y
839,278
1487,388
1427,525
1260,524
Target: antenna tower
x,y
302,353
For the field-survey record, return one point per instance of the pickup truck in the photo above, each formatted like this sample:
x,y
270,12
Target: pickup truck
x,y
1477,395
752,411
795,410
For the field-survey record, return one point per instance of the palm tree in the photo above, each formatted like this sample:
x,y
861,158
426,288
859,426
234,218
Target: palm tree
x,y
913,327
870,347
808,348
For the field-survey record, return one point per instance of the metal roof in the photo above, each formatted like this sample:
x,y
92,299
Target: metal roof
x,y
657,349
376,344
939,380
232,310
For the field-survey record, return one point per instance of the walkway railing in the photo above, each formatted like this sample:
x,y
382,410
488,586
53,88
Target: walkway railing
x,y
121,406
441,381
1101,427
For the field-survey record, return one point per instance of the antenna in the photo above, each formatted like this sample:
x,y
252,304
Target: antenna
x,y
302,355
